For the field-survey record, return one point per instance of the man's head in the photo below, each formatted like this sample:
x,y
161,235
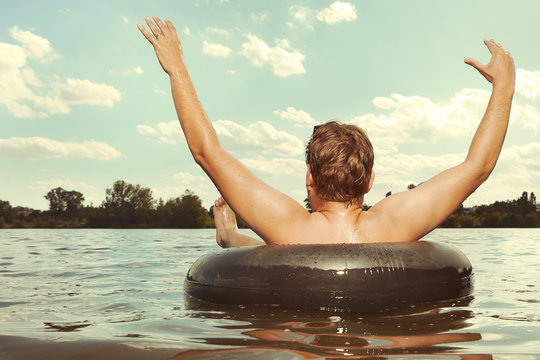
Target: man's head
x,y
340,158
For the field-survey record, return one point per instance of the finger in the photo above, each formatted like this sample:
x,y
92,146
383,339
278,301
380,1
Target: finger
x,y
490,45
474,63
498,46
152,26
146,33
162,27
495,43
171,27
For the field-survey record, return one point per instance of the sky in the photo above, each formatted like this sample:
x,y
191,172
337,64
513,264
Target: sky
x,y
84,102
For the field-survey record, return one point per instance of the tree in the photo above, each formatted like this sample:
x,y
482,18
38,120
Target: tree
x,y
128,204
183,212
7,213
74,200
524,205
57,204
64,203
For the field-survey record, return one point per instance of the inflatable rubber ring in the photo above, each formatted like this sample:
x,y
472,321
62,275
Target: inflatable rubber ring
x,y
333,277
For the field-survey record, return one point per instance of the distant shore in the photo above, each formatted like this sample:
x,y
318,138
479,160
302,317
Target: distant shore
x,y
128,206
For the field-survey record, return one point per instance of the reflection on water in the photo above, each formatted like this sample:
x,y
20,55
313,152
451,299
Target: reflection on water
x,y
433,331
118,294
65,327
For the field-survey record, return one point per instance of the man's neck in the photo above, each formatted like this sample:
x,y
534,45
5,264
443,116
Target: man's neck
x,y
338,208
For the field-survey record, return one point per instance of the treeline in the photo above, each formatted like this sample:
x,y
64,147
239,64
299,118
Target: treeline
x,y
125,206
133,206
522,212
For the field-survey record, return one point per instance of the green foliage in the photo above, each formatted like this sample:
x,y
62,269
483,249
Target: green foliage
x,y
132,206
125,205
7,213
519,213
183,212
64,203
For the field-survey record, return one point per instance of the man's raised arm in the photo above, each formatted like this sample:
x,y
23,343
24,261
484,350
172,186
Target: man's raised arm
x,y
242,190
488,140
199,132
410,215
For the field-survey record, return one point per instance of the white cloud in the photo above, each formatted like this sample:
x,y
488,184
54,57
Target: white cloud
x,y
170,132
418,119
397,170
38,148
146,130
230,72
30,78
528,83
527,154
337,12
527,115
299,117
35,46
13,87
159,91
188,178
517,170
259,136
276,167
167,132
409,119
302,15
259,18
26,96
217,30
199,184
187,32
216,49
67,184
77,91
124,19
137,70
284,60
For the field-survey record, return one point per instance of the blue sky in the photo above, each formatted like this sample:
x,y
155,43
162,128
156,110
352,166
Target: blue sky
x,y
84,102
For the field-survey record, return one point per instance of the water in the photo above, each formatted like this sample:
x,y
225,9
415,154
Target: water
x,y
116,294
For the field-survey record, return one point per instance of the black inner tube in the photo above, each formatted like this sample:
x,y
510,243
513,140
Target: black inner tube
x,y
332,277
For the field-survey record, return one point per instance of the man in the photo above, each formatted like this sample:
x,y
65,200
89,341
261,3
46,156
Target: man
x,y
336,196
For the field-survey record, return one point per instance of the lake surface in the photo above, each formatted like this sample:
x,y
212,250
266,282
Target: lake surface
x,y
118,294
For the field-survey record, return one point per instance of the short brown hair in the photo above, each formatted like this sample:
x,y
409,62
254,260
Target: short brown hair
x,y
340,157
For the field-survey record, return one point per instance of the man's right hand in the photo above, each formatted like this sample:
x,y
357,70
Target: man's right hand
x,y
164,39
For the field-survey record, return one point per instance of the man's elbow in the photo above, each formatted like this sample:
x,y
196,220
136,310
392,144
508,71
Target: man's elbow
x,y
480,171
204,155
200,157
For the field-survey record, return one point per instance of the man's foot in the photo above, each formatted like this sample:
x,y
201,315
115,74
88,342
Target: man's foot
x,y
225,220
